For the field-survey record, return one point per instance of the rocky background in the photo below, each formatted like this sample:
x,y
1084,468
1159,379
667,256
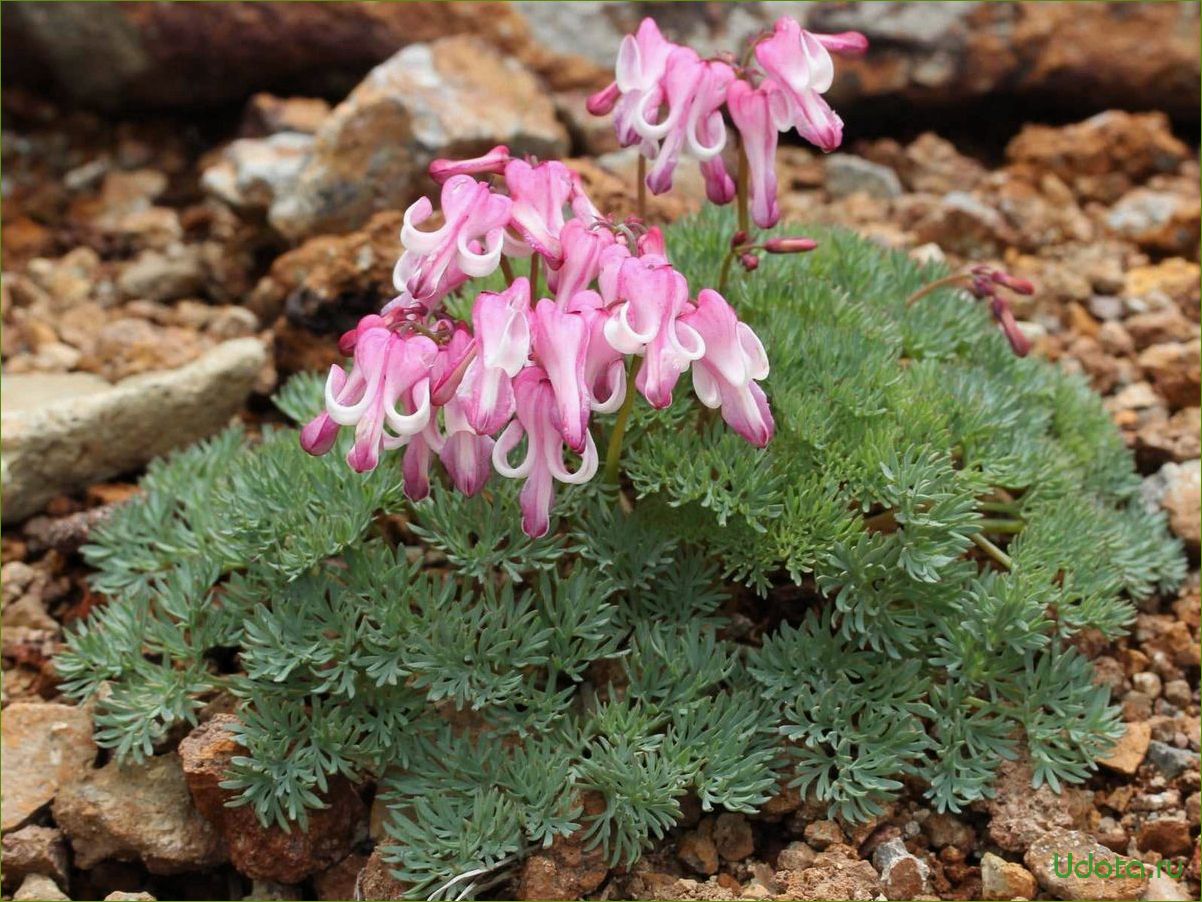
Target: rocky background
x,y
197,197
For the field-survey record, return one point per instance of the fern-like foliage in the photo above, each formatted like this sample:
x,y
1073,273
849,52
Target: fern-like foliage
x,y
934,520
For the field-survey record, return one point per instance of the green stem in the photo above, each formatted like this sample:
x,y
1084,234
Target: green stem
x,y
993,551
999,507
741,190
724,273
507,269
613,454
1004,527
642,188
534,258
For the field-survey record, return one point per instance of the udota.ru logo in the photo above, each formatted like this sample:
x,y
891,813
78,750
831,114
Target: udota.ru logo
x,y
1117,868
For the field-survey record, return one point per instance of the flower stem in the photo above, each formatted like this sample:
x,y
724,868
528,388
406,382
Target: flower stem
x,y
741,189
724,273
613,454
534,259
507,269
993,551
642,187
1004,527
954,279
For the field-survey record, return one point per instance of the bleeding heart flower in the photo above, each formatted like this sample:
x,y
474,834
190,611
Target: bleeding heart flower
x,y
561,349
539,195
543,463
492,162
502,349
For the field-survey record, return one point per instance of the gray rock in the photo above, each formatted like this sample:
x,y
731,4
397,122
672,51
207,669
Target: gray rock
x,y
62,433
1171,761
138,811
847,174
37,888
44,746
455,96
164,276
253,172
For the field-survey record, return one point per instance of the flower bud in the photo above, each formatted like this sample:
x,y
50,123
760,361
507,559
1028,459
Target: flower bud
x,y
1015,284
739,238
749,261
1019,343
494,161
795,245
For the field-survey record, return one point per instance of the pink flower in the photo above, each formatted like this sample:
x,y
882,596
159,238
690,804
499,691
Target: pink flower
x,y
415,466
492,162
694,91
543,463
502,348
648,321
726,375
561,348
758,114
642,60
583,249
390,373
604,367
800,65
539,195
466,455
468,245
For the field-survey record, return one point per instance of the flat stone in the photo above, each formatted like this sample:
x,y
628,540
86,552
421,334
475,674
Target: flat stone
x,y
34,850
36,888
138,812
54,443
1001,879
848,174
1169,760
1072,865
1128,753
44,747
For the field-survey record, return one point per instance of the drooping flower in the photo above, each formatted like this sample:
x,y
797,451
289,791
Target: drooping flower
x,y
642,60
492,162
466,455
543,464
386,397
583,251
502,348
467,245
540,193
726,375
561,349
758,114
604,366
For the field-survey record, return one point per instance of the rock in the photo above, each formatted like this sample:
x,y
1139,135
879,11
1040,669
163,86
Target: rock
x,y
1170,836
164,276
376,881
456,96
821,834
846,174
1173,368
1087,155
252,172
1162,888
1176,488
903,876
1161,221
698,852
1157,326
1128,753
733,837
338,881
44,747
566,870
836,873
1071,865
61,433
962,224
1020,814
796,856
137,811
1001,879
329,282
34,850
1175,278
1178,692
36,888
119,896
948,830
1147,682
270,891
267,853
165,58
267,114
129,345
1177,439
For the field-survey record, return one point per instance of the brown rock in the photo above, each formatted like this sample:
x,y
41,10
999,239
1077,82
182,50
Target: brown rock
x,y
796,856
1174,369
376,881
903,875
566,870
948,830
1134,146
34,850
1181,501
1157,326
1166,221
338,881
963,224
1175,277
1019,814
1177,438
456,96
119,896
1001,879
44,746
1128,753
128,346
266,114
836,873
267,853
1170,836
137,811
164,276
821,834
698,852
733,837
252,172
36,888
1049,860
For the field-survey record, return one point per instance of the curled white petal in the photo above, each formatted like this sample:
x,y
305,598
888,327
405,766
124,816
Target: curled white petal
x,y
588,465
413,423
506,442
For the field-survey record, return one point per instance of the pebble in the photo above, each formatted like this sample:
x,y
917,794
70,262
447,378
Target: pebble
x,y
903,875
1170,761
1148,683
1001,879
1049,859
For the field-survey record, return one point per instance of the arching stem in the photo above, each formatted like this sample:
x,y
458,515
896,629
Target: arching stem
x,y
613,454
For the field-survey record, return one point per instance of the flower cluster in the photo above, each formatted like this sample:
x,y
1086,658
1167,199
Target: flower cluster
x,y
665,98
531,366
